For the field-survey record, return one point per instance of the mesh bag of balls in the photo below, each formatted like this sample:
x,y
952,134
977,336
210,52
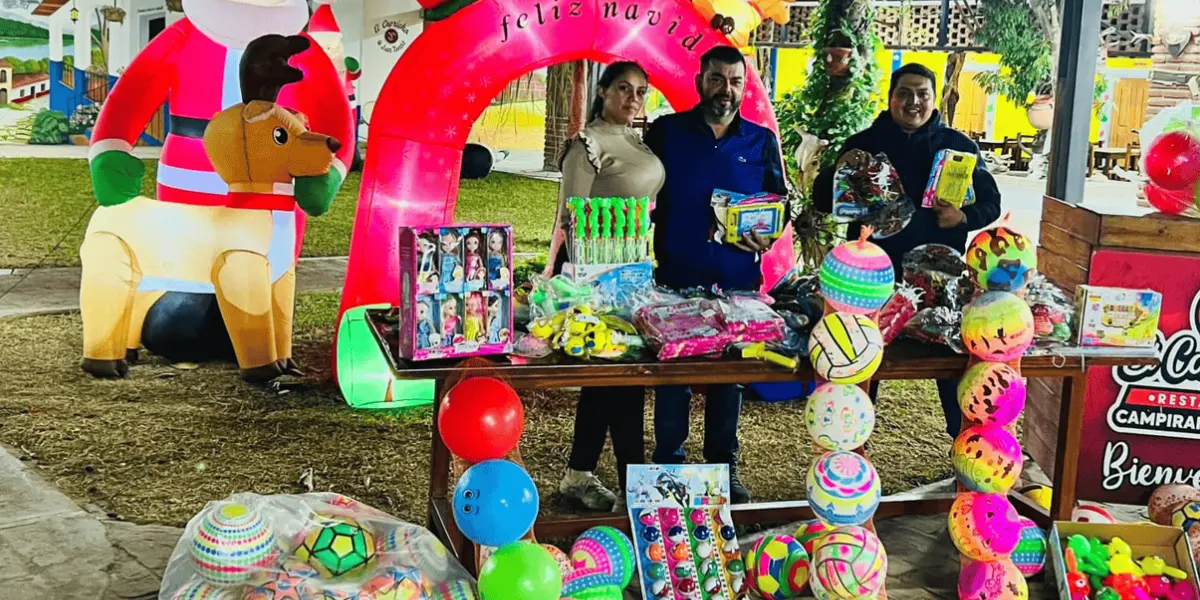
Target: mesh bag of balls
x,y
317,546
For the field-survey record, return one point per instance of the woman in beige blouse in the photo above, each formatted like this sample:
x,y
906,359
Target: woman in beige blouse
x,y
606,159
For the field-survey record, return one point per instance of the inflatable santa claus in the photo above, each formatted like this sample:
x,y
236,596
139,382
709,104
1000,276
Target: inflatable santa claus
x,y
325,31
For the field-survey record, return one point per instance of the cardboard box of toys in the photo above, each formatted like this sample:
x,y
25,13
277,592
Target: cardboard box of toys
x,y
1157,557
1116,317
455,291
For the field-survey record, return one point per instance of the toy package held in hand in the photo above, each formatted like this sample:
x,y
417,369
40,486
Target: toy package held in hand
x,y
682,328
867,190
935,270
683,534
316,545
951,179
738,215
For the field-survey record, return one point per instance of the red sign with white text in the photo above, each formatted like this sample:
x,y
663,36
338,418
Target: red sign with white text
x,y
1141,425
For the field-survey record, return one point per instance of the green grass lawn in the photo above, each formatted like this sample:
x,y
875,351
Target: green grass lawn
x,y
43,215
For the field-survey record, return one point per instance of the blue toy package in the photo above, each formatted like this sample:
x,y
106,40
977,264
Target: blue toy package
x,y
616,285
737,215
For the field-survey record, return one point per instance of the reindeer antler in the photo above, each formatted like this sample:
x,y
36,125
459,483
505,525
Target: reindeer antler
x,y
264,68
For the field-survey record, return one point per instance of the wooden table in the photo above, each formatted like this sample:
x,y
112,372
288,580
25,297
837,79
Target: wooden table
x,y
987,145
903,360
1108,157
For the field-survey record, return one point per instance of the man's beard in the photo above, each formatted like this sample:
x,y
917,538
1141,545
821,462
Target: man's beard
x,y
717,110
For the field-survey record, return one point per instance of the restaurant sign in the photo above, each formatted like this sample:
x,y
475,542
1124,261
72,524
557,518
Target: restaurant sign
x,y
1141,425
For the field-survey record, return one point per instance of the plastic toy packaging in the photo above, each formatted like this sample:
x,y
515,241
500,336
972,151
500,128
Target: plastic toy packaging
x,y
951,179
739,214
550,296
1052,310
609,230
867,190
899,310
582,332
931,268
749,319
936,325
317,545
679,329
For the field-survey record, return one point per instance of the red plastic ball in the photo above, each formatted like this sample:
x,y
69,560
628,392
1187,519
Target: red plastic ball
x,y
1173,161
481,419
1171,202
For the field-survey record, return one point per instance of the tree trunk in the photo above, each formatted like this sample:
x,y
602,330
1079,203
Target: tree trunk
x,y
950,95
558,113
578,98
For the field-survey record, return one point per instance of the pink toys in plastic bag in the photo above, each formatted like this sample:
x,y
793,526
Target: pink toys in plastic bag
x,y
690,327
749,320
898,311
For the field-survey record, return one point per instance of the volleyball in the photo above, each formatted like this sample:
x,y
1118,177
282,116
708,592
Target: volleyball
x,y
845,348
851,563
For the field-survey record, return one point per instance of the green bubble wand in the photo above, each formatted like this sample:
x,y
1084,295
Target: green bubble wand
x,y
576,203
644,226
619,207
606,232
594,230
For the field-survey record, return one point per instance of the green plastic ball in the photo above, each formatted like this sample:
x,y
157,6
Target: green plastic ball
x,y
520,570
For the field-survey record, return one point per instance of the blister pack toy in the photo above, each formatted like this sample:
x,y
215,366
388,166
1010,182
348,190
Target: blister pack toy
x,y
867,190
684,538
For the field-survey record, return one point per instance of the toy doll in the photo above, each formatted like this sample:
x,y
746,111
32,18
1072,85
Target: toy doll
x,y
473,261
495,327
497,271
427,268
425,328
473,321
452,272
449,320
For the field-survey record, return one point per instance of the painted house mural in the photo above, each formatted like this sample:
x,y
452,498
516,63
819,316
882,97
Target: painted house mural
x,y
24,68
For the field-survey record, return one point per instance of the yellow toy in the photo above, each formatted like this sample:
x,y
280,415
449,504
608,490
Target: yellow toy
x,y
738,19
1154,566
759,351
581,332
1040,496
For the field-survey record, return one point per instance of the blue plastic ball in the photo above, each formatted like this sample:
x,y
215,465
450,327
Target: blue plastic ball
x,y
702,532
650,534
495,503
728,532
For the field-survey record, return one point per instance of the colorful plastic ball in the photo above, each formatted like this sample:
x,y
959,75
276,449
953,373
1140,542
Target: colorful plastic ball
x,y
857,278
1001,259
1173,160
1092,513
736,566
414,546
1166,498
850,563
839,416
651,534
987,459
481,419
202,590
337,547
992,580
601,556
683,569
677,534
294,581
670,517
656,552
778,567
657,570
1171,202
395,583
843,488
845,348
698,517
520,570
997,326
231,543
495,503
648,517
564,562
809,534
1030,554
681,552
458,589
702,533
984,526
1186,516
991,393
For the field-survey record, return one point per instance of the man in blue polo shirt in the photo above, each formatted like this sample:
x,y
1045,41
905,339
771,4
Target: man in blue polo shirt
x,y
708,147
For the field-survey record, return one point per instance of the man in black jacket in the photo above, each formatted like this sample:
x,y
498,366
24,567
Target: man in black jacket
x,y
911,133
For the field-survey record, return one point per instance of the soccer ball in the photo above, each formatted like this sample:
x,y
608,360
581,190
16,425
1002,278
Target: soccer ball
x,y
1186,516
337,547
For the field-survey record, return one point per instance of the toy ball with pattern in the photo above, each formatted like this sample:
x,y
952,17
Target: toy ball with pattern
x,y
984,526
992,580
231,543
1030,554
560,557
843,488
602,556
1092,513
412,545
1166,498
777,567
293,580
987,459
839,416
845,348
1001,260
395,583
809,534
200,590
857,278
1186,516
991,393
851,563
997,326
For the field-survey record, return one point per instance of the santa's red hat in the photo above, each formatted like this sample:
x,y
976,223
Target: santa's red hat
x,y
322,20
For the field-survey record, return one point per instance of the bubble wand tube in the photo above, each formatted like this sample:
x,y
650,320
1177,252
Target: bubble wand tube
x,y
644,225
576,203
606,232
593,230
619,207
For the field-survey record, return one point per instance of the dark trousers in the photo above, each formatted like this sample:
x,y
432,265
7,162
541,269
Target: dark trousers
x,y
672,413
619,410
948,394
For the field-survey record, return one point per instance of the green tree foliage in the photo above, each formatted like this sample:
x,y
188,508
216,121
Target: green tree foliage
x,y
1025,54
33,65
49,127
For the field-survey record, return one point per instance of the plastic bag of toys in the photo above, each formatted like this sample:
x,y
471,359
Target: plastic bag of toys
x,y
583,332
931,268
899,310
748,319
682,328
1053,311
555,294
798,302
318,545
936,325
867,189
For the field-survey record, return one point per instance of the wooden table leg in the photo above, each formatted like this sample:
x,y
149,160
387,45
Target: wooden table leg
x,y
441,512
1066,466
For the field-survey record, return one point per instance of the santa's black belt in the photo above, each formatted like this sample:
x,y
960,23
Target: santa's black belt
x,y
188,126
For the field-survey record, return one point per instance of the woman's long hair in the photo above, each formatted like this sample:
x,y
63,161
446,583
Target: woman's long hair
x,y
611,74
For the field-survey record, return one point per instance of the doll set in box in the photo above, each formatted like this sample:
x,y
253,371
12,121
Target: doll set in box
x,y
455,291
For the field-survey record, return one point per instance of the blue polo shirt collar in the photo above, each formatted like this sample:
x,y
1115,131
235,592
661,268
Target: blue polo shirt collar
x,y
697,117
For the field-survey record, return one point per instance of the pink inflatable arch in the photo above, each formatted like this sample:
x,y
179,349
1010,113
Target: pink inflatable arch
x,y
456,66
